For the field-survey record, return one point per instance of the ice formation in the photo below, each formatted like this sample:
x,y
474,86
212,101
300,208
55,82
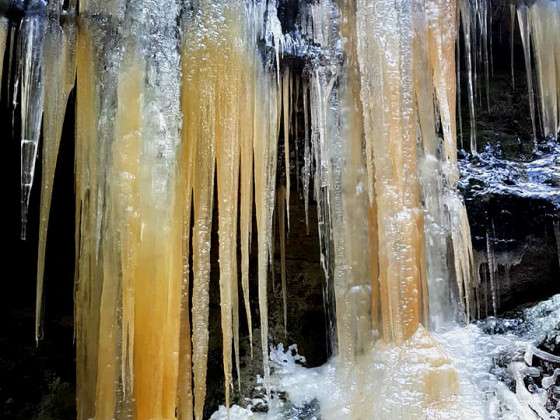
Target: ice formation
x,y
539,23
180,109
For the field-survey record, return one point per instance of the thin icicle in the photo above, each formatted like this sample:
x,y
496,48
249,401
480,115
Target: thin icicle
x,y
281,210
286,110
469,33
246,204
556,228
511,42
462,249
525,31
492,269
265,148
306,153
484,8
545,33
459,81
297,111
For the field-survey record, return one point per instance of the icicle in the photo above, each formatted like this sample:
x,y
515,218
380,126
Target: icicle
x,y
340,190
483,10
59,71
468,33
297,111
265,147
12,83
200,82
189,144
459,81
442,35
306,153
556,229
492,269
525,31
87,288
229,126
321,87
282,233
286,110
246,201
544,20
491,40
434,68
462,249
3,37
32,34
511,42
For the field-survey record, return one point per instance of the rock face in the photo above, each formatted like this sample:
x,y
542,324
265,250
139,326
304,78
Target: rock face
x,y
514,238
512,192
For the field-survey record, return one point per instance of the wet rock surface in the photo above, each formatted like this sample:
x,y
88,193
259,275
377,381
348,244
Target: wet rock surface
x,y
512,194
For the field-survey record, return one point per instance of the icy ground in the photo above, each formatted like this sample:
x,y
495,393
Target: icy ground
x,y
508,368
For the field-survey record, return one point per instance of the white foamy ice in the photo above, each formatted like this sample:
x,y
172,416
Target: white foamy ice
x,y
383,383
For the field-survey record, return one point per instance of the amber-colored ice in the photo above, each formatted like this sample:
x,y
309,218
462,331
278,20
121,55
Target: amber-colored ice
x,y
87,287
145,193
130,249
384,53
265,151
199,113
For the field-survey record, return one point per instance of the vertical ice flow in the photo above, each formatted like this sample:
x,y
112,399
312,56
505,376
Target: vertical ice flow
x,y
59,72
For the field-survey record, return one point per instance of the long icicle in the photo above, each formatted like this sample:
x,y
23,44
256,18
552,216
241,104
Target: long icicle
x,y
525,31
512,42
544,17
87,293
227,140
265,153
281,210
59,71
200,82
286,111
469,33
246,191
4,26
306,153
185,386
